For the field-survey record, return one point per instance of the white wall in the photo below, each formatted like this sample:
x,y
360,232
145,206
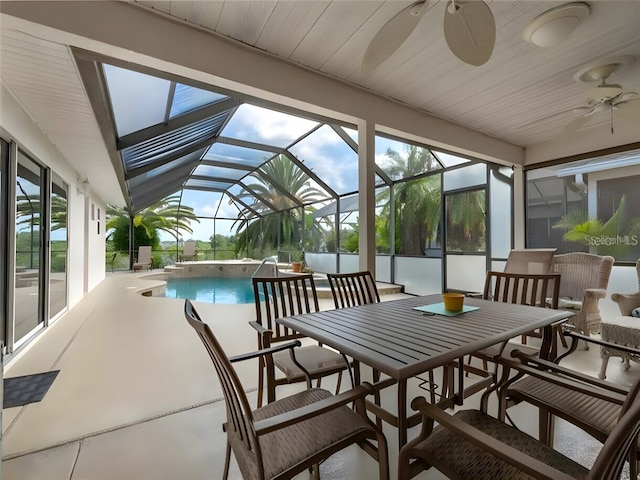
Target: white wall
x,y
16,125
420,276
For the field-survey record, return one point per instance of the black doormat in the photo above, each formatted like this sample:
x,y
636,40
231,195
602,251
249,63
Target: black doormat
x,y
19,391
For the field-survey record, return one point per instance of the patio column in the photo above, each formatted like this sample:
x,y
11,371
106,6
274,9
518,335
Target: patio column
x,y
367,195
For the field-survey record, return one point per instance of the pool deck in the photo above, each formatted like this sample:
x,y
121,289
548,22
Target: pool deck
x,y
137,396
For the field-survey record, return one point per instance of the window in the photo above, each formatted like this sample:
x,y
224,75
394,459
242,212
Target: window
x,y
587,206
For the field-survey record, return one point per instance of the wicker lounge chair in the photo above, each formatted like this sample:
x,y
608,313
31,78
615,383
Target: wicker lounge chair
x,y
624,330
529,260
277,297
584,282
290,435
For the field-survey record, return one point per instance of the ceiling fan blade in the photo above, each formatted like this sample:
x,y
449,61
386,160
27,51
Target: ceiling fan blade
x,y
629,109
556,116
470,31
392,35
577,123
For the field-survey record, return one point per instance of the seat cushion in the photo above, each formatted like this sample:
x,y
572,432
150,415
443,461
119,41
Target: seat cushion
x,y
596,416
445,450
569,304
318,361
287,447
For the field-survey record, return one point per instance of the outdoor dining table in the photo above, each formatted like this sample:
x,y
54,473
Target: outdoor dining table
x,y
400,341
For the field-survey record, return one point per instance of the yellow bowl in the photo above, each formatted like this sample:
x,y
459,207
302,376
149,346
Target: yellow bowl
x,y
453,301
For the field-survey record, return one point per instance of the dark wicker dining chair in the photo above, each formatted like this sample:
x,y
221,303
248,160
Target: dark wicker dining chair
x,y
472,444
283,296
351,289
290,435
593,405
536,290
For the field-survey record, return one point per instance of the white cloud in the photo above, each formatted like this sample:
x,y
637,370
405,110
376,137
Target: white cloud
x,y
266,126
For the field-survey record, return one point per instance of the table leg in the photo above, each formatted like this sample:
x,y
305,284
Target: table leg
x,y
402,412
548,344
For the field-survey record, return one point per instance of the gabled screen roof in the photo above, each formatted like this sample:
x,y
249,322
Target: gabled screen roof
x,y
173,136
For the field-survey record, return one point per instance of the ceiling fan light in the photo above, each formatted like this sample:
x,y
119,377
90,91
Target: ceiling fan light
x,y
554,26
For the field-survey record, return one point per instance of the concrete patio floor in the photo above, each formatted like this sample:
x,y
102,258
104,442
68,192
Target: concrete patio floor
x,y
137,396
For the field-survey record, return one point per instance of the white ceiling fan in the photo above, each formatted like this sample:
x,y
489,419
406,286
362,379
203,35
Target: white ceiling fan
x,y
469,30
605,98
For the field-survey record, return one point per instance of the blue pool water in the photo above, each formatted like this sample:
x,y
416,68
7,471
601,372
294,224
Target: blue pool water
x,y
211,289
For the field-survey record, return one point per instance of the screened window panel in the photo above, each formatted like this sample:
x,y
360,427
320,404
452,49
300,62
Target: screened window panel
x,y
171,143
219,172
204,204
588,206
232,154
449,160
261,125
187,99
400,160
249,198
466,177
174,166
138,100
195,183
330,158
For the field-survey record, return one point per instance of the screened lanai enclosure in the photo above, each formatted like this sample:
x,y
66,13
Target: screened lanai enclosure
x,y
263,180
247,178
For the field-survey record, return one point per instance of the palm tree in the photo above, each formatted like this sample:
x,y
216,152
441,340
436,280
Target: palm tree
x,y
167,215
613,237
284,224
417,202
466,225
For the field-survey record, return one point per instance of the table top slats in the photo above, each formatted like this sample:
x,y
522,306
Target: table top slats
x,y
402,342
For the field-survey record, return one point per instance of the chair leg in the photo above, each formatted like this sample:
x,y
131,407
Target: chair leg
x,y
603,368
339,383
375,374
432,389
563,340
227,459
383,456
316,471
260,381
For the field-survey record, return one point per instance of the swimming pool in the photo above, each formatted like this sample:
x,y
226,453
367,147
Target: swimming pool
x,y
211,289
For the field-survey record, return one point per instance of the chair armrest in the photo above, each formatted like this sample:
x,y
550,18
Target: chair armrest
x,y
286,419
503,451
258,327
570,379
578,336
590,298
265,351
626,302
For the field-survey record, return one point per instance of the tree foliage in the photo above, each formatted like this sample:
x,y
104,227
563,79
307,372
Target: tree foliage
x,y
280,227
417,202
613,237
166,215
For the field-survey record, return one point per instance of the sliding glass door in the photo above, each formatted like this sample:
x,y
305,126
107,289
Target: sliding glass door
x,y
29,306
58,247
4,214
